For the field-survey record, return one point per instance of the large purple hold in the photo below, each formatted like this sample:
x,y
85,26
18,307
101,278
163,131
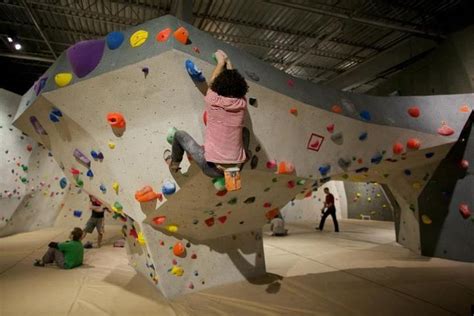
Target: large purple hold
x,y
81,157
39,85
37,126
85,56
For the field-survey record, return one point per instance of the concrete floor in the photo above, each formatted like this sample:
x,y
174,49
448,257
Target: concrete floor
x,y
360,271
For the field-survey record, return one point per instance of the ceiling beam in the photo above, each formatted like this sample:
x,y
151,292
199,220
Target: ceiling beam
x,y
27,57
344,16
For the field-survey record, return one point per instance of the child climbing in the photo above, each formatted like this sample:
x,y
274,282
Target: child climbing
x,y
95,221
225,142
66,255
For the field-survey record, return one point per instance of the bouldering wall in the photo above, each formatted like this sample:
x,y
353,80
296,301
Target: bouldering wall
x,y
368,201
307,208
31,196
107,108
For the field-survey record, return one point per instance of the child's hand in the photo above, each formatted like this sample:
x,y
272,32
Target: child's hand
x,y
221,57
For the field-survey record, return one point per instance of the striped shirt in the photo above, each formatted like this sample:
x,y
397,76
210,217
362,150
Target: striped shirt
x,y
223,138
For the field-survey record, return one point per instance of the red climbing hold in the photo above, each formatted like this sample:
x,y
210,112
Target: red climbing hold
x,y
222,219
163,35
413,143
271,164
116,119
309,194
336,109
272,213
445,130
464,164
210,221
159,220
267,205
181,35
221,193
294,111
75,172
464,210
291,83
414,111
196,50
29,147
330,128
291,184
194,256
397,148
179,250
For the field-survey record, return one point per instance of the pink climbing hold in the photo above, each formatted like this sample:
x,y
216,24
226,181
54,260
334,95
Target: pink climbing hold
x,y
85,56
291,83
464,164
397,148
445,130
414,111
271,164
413,143
464,210
330,128
222,219
159,220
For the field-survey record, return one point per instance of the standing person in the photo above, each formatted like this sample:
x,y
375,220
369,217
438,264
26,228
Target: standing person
x,y
95,221
277,226
225,142
330,209
66,255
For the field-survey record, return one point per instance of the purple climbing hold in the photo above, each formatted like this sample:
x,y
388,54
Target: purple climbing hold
x,y
37,126
39,85
81,157
85,56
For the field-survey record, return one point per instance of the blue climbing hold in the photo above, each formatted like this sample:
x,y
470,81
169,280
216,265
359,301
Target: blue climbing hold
x,y
365,115
363,136
102,188
53,118
57,112
114,40
324,169
194,71
94,154
168,188
376,159
63,183
77,213
429,155
89,173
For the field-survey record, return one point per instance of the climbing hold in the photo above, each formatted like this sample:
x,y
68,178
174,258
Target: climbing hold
x,y
53,117
222,219
159,220
291,184
336,109
204,118
111,145
365,115
39,85
271,164
179,250
253,102
163,35
272,213
426,219
464,164
182,35
62,79
344,163
324,169
219,183
194,72
75,172
376,159
141,239
114,40
407,172
414,111
363,136
232,201
301,182
100,155
77,213
285,167
63,183
170,135
267,205
254,162
330,128
196,50
147,194
294,111
116,120
397,148
177,271
210,221
250,200
168,187
56,112
80,157
90,174
413,143
117,207
464,108
29,147
115,187
79,183
102,188
464,210
445,130
290,83
337,138
145,71
85,56
172,228
429,155
37,126
138,38
252,75
94,155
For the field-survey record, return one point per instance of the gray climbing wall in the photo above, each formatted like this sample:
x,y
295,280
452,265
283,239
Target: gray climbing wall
x,y
367,200
325,134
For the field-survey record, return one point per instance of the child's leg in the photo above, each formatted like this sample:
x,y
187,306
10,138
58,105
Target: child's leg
x,y
100,231
48,256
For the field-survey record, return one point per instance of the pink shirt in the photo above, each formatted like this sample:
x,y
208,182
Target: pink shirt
x,y
225,120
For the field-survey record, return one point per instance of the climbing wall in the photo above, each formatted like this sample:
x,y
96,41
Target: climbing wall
x,y
107,109
30,193
368,201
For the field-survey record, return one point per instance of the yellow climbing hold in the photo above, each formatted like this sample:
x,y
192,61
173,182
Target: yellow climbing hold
x,y
141,239
138,38
384,206
172,228
62,79
358,194
378,194
116,187
426,219
416,185
111,145
176,270
369,199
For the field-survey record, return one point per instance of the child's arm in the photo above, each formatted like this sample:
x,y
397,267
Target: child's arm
x,y
222,60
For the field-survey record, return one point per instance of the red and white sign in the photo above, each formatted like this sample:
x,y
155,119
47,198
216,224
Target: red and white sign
x,y
315,142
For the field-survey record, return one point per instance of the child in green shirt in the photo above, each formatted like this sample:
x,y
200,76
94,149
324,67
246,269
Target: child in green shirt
x,y
66,255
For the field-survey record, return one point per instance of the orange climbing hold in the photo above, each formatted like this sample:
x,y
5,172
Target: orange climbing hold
x,y
159,220
294,111
414,111
413,143
147,194
397,148
179,250
336,109
116,119
163,35
285,167
272,213
181,35
464,108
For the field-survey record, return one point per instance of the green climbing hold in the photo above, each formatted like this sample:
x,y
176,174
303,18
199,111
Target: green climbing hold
x,y
232,201
274,180
24,179
301,182
219,183
170,135
79,182
118,206
25,168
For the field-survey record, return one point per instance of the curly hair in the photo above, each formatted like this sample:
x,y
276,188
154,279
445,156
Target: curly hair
x,y
76,234
230,83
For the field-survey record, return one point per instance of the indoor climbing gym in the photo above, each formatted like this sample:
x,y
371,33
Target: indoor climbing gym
x,y
236,157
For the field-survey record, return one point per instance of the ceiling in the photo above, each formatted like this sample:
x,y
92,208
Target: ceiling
x,y
316,40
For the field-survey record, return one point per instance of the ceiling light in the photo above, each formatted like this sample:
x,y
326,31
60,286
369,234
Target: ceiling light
x,y
17,46
9,39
